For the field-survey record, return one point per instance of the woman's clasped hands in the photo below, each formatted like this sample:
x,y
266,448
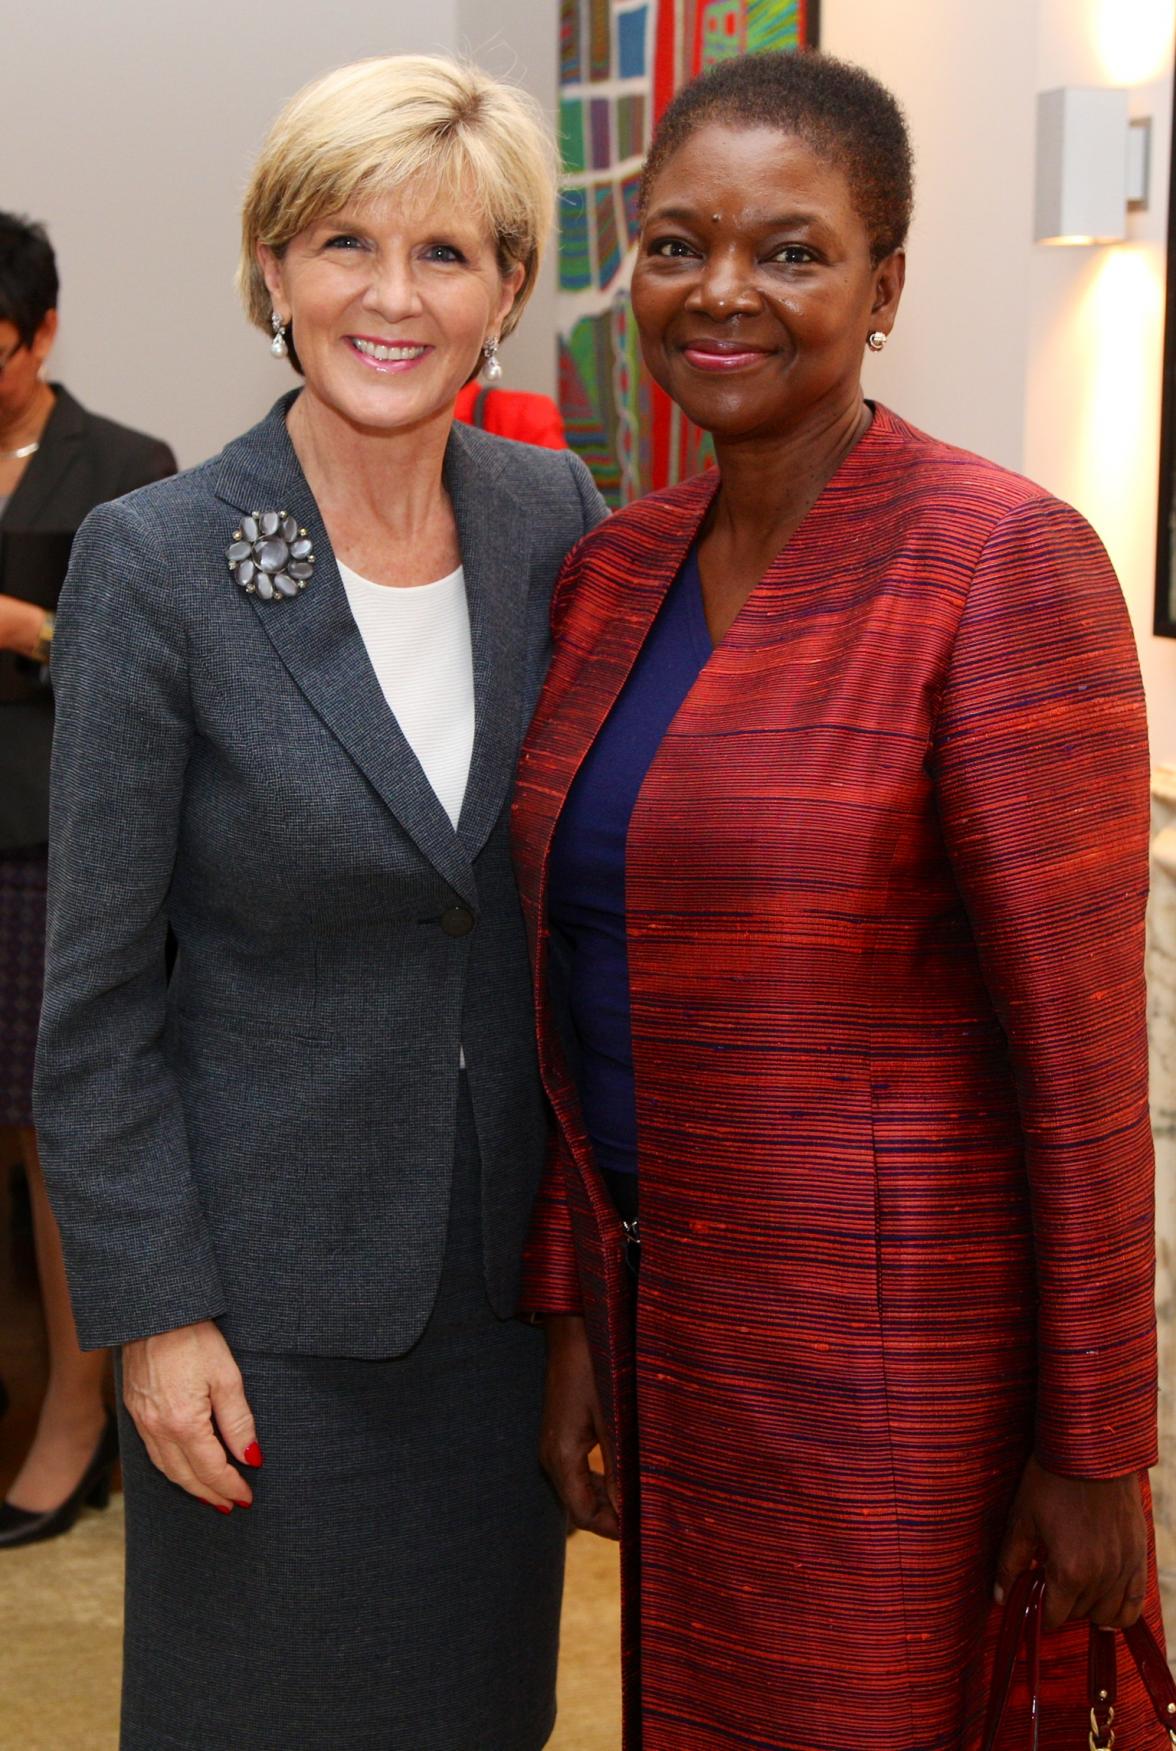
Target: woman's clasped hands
x,y
187,1398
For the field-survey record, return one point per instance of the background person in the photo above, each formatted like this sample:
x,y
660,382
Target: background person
x,y
294,1185
832,830
512,413
57,461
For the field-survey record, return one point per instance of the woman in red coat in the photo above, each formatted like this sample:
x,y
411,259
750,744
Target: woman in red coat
x,y
832,826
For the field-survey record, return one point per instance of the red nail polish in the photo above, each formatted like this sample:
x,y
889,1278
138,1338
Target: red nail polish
x,y
216,1505
252,1454
244,1504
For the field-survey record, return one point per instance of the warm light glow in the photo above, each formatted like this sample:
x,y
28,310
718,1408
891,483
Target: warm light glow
x,y
1134,38
1121,339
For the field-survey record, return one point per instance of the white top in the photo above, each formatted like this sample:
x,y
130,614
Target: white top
x,y
418,640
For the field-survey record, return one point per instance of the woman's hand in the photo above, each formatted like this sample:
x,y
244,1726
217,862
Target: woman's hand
x,y
20,626
1092,1538
174,1385
573,1425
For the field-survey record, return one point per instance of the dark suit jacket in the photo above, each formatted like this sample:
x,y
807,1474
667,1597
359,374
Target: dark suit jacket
x,y
83,460
269,1139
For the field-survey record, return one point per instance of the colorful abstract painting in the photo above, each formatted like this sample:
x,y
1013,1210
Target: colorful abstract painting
x,y
621,61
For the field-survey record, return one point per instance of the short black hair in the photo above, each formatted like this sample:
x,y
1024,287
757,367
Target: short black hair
x,y
28,275
840,111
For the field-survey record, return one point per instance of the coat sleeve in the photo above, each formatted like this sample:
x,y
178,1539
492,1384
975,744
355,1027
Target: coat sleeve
x,y
108,1110
1040,761
551,1281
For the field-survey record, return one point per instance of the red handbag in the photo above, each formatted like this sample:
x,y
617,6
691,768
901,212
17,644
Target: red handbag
x,y
1022,1622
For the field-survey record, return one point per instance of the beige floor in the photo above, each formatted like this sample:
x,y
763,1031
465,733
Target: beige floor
x,y
590,1668
59,1643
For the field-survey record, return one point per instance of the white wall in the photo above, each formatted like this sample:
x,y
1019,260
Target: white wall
x,y
1096,329
130,128
1048,360
519,40
956,362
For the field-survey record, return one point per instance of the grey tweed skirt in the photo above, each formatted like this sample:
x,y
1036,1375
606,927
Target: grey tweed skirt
x,y
396,1585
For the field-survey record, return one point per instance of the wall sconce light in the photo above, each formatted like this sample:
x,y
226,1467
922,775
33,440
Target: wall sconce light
x,y
1093,164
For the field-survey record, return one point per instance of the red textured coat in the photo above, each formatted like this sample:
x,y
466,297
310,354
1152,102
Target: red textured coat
x,y
886,882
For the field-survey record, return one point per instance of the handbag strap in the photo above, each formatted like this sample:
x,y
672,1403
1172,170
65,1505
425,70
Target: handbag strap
x,y
1021,1619
1102,1688
1153,1669
1033,1661
1022,1622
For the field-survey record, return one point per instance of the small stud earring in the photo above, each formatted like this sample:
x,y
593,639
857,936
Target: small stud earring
x,y
876,340
278,345
492,370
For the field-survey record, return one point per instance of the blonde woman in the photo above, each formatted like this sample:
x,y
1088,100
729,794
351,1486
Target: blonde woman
x,y
294,1183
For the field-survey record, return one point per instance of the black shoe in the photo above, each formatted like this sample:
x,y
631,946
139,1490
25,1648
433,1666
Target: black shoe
x,y
19,1526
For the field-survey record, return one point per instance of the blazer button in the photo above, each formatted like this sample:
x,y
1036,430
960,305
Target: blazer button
x,y
457,921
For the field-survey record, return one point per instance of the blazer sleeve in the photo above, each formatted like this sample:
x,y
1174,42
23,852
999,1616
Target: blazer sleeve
x,y
1040,761
108,1111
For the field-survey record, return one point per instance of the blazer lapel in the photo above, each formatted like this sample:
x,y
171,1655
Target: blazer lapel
x,y
59,450
495,551
317,639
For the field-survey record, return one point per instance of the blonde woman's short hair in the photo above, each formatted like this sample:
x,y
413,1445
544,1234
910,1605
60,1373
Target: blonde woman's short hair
x,y
375,126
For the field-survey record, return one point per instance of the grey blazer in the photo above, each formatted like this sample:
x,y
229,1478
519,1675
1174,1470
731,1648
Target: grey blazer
x,y
267,1141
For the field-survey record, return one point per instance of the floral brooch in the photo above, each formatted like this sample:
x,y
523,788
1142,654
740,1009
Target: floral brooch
x,y
270,556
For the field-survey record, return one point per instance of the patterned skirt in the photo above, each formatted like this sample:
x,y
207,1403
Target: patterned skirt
x,y
22,971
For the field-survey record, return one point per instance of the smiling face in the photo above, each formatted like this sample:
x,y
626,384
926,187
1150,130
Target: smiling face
x,y
391,301
754,289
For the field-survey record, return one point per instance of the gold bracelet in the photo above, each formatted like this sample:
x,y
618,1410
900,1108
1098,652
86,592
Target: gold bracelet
x,y
43,649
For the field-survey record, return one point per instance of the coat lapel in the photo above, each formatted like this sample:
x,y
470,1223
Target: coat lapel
x,y
316,637
610,602
59,450
604,624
